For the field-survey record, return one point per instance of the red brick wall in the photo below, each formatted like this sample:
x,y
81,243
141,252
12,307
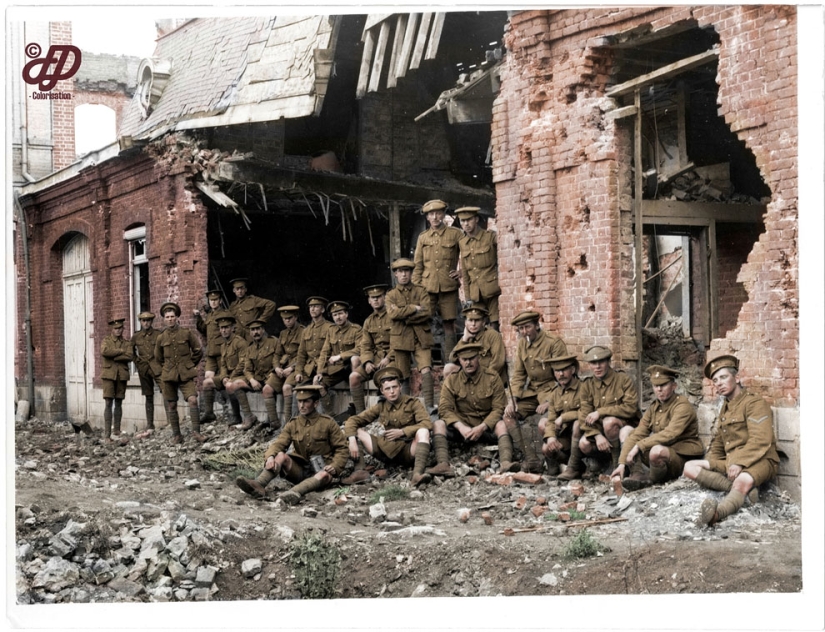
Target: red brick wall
x,y
62,109
562,172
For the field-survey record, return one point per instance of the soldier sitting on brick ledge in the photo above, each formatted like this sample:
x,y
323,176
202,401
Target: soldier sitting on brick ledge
x,y
742,454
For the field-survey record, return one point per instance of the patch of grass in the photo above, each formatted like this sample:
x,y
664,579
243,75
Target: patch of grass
x,y
341,491
583,545
241,471
390,492
316,565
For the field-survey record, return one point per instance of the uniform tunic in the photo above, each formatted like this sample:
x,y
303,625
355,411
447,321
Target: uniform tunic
x,y
250,308
410,329
290,340
613,396
473,400
672,424
312,341
179,351
564,402
143,352
259,359
436,255
343,341
744,436
231,361
315,434
491,354
479,265
407,414
117,354
533,362
209,328
375,337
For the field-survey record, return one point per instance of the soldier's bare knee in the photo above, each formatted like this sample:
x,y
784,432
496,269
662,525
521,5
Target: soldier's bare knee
x,y
439,427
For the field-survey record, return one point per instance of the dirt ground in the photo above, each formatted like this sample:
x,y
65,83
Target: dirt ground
x,y
649,541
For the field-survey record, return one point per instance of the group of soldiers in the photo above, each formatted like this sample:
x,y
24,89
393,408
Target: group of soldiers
x,y
544,413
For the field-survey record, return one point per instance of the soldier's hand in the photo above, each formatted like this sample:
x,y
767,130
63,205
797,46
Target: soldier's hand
x,y
270,463
255,384
542,408
299,378
353,448
455,275
559,421
394,434
369,367
631,456
552,444
510,410
317,379
475,433
734,471
618,472
279,372
287,371
335,359
592,418
331,470
602,444
385,361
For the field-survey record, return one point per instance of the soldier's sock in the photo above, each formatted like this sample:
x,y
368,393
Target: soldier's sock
x,y
575,462
117,416
713,480
731,504
195,415
287,408
449,345
615,452
405,386
107,418
517,438
174,418
505,449
442,448
272,412
326,402
427,390
236,410
209,401
265,477
658,472
307,485
422,453
243,401
358,398
150,412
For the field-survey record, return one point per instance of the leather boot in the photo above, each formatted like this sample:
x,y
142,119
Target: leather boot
x,y
107,419
505,454
150,412
235,416
639,478
359,473
249,419
711,512
419,476
255,487
358,398
294,495
658,473
272,412
117,416
194,415
208,406
174,421
427,390
552,465
442,458
575,466
532,463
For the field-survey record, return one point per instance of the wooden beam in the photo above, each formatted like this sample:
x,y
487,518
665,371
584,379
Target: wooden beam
x,y
400,27
435,36
373,19
663,211
638,189
380,53
406,47
686,305
620,113
713,282
395,234
681,123
666,72
366,62
421,40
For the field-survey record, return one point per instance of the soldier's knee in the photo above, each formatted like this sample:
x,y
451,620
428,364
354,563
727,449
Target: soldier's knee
x,y
439,427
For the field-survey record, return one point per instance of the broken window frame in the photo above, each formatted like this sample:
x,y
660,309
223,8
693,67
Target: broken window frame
x,y
135,239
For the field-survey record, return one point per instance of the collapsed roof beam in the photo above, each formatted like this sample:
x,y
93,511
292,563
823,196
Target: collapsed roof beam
x,y
666,72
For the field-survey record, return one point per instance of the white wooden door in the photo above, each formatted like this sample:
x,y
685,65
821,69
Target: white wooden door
x,y
78,327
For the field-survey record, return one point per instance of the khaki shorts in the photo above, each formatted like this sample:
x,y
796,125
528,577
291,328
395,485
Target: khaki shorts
x,y
379,355
276,383
761,472
170,390
446,303
301,469
423,359
147,384
487,437
492,307
392,450
114,389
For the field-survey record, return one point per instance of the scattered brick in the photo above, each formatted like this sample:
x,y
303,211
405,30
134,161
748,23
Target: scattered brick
x,y
488,519
529,479
538,511
520,502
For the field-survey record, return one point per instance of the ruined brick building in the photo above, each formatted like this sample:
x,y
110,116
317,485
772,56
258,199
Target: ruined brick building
x,y
640,166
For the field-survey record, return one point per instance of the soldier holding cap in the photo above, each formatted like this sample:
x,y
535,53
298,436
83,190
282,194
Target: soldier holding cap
x,y
610,402
531,383
179,351
479,262
436,263
471,408
207,325
247,307
409,309
492,354
742,454
559,427
259,360
148,367
290,341
319,452
667,436
374,346
312,341
406,437
230,364
339,355
117,354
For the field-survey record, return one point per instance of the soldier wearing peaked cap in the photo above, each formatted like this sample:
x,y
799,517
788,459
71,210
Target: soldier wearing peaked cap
x,y
258,360
117,353
406,437
559,426
339,354
207,325
742,453
478,249
319,452
230,363
374,345
492,354
436,268
411,335
290,341
667,436
312,341
148,367
248,307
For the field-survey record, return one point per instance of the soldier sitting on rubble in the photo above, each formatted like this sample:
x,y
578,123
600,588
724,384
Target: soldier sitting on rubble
x,y
230,363
559,427
406,436
470,410
319,452
667,436
742,454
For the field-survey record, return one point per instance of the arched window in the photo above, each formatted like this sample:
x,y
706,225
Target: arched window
x,y
95,126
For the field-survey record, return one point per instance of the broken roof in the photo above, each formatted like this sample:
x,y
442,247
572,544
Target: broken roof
x,y
226,71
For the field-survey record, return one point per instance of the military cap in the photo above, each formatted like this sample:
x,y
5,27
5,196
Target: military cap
x,y
467,350
475,311
387,373
256,323
721,362
317,300
376,290
596,353
239,281
224,317
525,317
146,316
400,264
660,374
288,310
433,205
562,362
213,294
170,305
466,212
309,391
337,306
117,322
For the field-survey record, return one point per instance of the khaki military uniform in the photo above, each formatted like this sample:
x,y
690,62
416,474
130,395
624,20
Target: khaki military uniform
x,y
250,308
290,341
436,255
533,376
479,269
259,359
672,424
744,436
341,341
410,332
473,400
491,355
114,371
407,414
613,396
316,434
374,345
209,328
231,360
565,403
179,351
312,342
143,352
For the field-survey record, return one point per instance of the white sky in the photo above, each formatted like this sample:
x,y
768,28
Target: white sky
x,y
118,35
